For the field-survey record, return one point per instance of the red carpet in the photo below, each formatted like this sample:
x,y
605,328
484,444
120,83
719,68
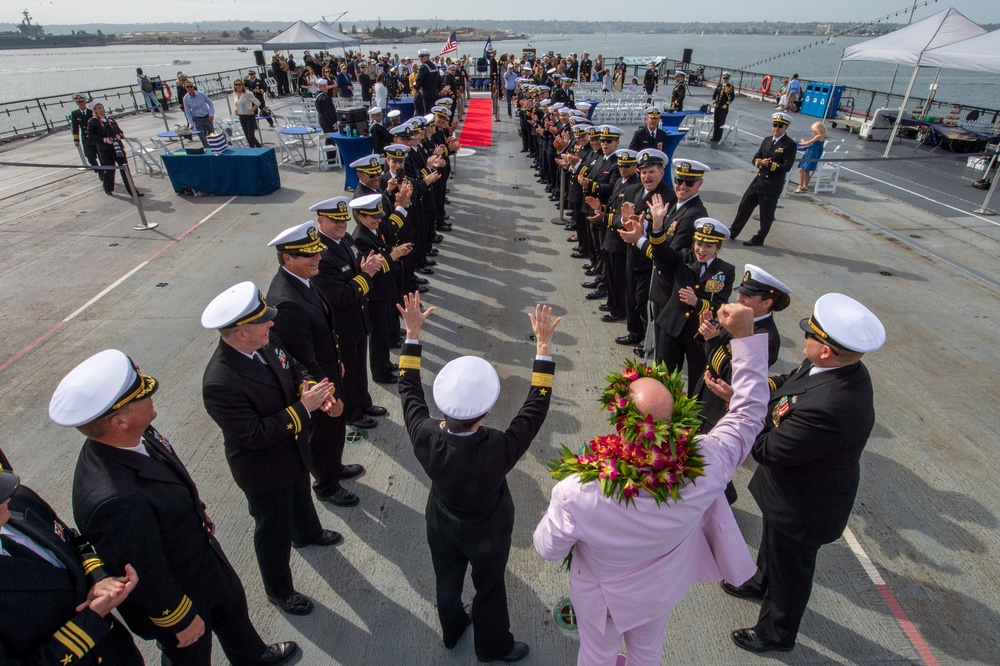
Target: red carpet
x,y
478,127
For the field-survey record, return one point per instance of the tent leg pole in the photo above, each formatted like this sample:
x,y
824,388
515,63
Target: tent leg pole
x,y
902,111
985,208
833,90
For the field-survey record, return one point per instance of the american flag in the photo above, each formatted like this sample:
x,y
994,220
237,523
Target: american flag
x,y
451,46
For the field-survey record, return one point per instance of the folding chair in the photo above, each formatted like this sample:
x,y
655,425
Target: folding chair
x,y
327,155
730,132
827,174
290,149
142,157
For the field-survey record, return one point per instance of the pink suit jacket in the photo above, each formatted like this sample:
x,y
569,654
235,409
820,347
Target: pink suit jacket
x,y
635,563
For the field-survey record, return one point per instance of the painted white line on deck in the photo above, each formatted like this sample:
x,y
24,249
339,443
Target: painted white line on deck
x,y
28,180
104,292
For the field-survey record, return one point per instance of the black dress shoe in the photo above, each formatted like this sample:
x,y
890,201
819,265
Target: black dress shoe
x,y
604,307
443,227
419,280
437,238
430,262
375,410
364,423
433,252
578,254
278,653
422,288
597,294
587,267
447,200
351,471
517,653
592,272
340,497
327,538
424,270
448,645
447,217
753,242
749,640
593,284
744,591
608,318
630,339
294,604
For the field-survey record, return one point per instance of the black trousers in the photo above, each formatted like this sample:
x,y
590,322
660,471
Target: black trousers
x,y
685,346
281,517
324,455
718,120
767,200
356,397
249,125
785,571
230,622
385,328
636,300
107,156
614,269
456,544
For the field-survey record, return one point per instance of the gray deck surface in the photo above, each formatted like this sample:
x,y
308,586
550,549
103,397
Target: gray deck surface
x,y
927,508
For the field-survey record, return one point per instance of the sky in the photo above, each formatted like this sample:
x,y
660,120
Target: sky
x,y
61,12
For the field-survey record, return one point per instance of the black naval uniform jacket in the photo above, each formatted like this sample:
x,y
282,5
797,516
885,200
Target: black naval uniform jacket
x,y
345,287
771,177
78,121
603,177
260,414
677,97
40,623
643,139
305,324
625,190
383,286
638,261
380,137
469,473
712,289
724,95
719,353
808,454
326,112
679,224
146,511
649,81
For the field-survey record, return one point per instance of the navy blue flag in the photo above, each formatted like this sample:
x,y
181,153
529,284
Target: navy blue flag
x,y
488,48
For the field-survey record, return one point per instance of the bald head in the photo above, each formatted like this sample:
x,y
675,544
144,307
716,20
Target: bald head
x,y
652,397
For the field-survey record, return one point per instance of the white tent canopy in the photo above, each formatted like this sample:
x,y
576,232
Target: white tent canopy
x,y
301,36
906,45
978,54
333,33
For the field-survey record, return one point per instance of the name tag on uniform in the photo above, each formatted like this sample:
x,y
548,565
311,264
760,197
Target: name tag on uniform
x,y
344,269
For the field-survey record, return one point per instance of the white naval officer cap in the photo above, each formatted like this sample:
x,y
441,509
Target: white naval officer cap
x,y
583,106
557,106
680,72
106,381
423,52
781,118
844,322
466,388
369,164
651,157
685,168
374,111
758,282
395,113
626,157
710,230
239,305
369,205
302,238
334,209
322,82
94,103
610,132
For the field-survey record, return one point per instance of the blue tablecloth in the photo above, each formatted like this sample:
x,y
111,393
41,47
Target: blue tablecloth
x,y
675,118
674,138
593,105
238,171
352,148
405,107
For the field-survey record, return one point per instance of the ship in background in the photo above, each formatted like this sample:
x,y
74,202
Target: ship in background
x,y
33,36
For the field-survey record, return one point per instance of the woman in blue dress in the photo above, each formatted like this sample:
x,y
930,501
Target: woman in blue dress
x,y
813,150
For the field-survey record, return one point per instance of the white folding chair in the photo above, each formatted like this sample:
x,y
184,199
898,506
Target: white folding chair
x,y
290,149
827,174
327,155
142,157
730,132
272,86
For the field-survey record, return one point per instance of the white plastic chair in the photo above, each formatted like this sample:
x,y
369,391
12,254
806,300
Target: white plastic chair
x,y
327,156
142,157
730,132
289,147
272,86
827,174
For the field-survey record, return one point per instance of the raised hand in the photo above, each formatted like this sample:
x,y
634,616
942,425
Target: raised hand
x,y
412,316
737,319
543,326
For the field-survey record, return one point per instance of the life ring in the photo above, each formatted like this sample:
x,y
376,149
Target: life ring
x,y
167,92
765,84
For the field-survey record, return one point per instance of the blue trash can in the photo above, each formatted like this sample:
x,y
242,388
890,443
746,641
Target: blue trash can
x,y
821,100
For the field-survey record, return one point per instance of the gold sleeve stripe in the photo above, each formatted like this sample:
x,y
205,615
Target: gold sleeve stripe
x,y
91,563
407,362
704,305
81,636
362,283
385,265
543,379
657,239
178,614
295,419
771,385
397,220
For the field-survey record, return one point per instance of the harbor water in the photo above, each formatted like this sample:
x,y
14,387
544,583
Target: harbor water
x,y
42,72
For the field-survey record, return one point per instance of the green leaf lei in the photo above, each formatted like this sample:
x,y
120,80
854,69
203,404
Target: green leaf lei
x,y
644,453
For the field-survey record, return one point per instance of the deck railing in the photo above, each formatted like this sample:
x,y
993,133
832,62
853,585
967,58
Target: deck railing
x,y
40,115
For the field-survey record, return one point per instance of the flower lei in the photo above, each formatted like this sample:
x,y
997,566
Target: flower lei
x,y
644,453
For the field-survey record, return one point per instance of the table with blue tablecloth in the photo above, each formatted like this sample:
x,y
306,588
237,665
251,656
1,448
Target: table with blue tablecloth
x,y
351,148
675,118
237,171
405,107
674,138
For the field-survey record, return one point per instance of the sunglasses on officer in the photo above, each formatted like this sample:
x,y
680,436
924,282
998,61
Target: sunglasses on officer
x,y
778,125
607,140
823,342
689,182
